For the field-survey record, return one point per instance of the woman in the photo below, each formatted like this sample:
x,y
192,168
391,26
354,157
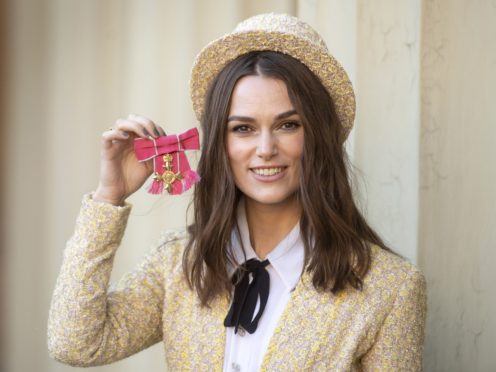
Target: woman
x,y
279,271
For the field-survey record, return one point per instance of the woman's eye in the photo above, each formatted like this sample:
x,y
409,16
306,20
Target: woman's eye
x,y
289,125
241,128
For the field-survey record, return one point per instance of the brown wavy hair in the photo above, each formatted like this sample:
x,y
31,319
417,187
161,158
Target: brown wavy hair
x,y
336,236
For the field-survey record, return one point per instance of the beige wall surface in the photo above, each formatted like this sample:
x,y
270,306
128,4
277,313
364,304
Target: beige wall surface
x,y
425,79
457,228
387,127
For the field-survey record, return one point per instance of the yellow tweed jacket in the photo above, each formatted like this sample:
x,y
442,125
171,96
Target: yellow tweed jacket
x,y
377,329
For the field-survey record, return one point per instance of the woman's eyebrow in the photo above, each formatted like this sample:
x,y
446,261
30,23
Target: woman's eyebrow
x,y
249,119
240,118
286,114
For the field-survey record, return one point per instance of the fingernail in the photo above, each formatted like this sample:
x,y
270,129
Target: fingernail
x,y
157,133
146,132
125,134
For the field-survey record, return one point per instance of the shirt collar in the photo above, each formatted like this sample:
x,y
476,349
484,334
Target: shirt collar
x,y
286,258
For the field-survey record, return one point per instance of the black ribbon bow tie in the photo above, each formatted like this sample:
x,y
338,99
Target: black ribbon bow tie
x,y
246,294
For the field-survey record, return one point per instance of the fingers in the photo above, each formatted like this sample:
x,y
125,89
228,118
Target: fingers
x,y
133,126
153,129
114,136
139,126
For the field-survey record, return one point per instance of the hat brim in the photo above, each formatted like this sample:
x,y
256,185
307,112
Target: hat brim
x,y
220,52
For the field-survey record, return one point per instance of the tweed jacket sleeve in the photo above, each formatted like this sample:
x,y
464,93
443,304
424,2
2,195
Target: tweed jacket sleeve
x,y
88,323
399,343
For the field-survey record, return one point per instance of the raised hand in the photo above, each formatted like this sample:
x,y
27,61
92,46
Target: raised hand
x,y
121,174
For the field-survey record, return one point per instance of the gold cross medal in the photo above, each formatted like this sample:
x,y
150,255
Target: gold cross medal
x,y
168,177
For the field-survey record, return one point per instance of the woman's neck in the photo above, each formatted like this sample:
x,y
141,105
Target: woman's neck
x,y
270,223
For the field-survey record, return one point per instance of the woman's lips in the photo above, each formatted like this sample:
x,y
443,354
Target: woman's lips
x,y
268,174
267,171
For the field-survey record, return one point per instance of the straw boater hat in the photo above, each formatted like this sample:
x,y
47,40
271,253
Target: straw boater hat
x,y
279,33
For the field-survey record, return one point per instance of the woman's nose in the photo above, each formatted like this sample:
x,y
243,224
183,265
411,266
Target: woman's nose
x,y
267,145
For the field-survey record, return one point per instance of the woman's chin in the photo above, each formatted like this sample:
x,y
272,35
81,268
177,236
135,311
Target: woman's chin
x,y
272,199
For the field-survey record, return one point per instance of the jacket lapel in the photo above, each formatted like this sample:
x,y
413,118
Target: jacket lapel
x,y
301,327
210,349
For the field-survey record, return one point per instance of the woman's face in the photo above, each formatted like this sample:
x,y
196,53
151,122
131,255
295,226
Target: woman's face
x,y
264,140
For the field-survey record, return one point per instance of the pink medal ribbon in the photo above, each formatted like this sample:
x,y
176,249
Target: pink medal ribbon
x,y
171,170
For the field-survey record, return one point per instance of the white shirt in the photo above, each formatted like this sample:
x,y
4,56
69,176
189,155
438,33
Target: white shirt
x,y
245,351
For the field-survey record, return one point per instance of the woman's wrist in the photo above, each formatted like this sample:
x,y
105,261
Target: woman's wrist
x,y
99,196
